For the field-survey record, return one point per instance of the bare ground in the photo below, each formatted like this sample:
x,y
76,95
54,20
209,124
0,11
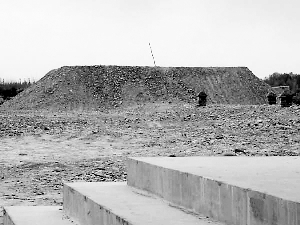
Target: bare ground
x,y
41,150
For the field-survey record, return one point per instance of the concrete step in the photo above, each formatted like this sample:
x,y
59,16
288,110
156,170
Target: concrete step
x,y
104,203
235,190
36,215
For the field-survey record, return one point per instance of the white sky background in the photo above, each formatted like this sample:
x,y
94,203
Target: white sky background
x,y
37,36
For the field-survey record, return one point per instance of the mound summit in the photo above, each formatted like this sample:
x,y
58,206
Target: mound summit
x,y
96,87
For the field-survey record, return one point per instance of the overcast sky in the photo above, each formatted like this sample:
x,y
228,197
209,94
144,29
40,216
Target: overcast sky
x,y
38,36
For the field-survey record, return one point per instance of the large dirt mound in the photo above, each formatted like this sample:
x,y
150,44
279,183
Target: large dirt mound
x,y
96,87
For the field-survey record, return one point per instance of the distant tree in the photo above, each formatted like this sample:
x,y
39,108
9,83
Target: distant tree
x,y
284,79
11,89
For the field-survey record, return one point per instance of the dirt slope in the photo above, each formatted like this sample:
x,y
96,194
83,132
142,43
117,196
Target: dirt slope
x,y
94,87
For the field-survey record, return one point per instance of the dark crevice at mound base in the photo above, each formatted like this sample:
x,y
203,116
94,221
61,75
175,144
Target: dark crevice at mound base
x,y
96,87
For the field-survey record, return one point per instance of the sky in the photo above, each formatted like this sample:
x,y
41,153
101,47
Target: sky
x,y
37,36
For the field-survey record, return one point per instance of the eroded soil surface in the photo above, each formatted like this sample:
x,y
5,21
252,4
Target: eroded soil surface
x,y
41,150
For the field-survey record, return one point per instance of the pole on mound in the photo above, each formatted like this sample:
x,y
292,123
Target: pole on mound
x,y
152,54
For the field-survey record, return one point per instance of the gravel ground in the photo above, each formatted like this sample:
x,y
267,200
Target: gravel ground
x,y
41,150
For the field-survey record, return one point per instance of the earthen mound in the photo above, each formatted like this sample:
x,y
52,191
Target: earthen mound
x,y
96,87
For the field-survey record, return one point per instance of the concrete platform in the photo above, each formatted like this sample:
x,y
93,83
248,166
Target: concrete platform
x,y
236,190
36,215
115,203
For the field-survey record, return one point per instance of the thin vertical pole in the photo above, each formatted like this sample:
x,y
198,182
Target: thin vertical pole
x,y
152,54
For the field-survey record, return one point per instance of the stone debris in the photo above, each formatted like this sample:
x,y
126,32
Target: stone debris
x,y
154,129
105,87
20,124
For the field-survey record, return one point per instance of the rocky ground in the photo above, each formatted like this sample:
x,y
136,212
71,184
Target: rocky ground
x,y
41,150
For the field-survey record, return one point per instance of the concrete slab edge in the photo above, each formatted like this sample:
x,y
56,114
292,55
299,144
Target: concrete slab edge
x,y
215,199
7,220
83,209
47,215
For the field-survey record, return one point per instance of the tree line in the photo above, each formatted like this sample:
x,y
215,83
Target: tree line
x,y
285,79
11,89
